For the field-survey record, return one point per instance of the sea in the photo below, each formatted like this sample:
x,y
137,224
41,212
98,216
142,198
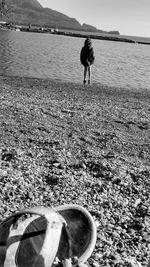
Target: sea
x,y
51,56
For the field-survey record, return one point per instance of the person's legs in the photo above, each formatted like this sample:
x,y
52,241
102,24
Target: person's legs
x,y
85,73
89,74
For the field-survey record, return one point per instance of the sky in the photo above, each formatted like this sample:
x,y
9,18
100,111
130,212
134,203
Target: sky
x,y
129,17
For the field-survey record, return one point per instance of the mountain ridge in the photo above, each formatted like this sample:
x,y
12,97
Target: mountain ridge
x,y
26,12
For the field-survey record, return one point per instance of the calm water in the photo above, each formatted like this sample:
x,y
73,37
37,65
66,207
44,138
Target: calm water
x,y
57,57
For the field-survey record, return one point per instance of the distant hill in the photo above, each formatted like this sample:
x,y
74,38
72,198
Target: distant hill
x,y
29,4
24,12
90,28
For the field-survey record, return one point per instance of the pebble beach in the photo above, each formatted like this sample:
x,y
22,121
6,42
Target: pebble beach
x,y
63,143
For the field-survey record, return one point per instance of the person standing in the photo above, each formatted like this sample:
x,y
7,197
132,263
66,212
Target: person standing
x,y
87,59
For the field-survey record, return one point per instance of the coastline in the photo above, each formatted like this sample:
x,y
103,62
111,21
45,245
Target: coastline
x,y
87,145
80,34
92,35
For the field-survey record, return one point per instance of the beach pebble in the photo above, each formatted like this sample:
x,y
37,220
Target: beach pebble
x,y
116,235
98,256
95,264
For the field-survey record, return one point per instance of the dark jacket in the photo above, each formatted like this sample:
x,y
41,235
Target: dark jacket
x,y
87,55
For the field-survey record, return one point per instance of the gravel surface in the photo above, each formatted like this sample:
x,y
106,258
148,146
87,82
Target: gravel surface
x,y
88,145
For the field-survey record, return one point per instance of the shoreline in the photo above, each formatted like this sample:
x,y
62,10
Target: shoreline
x,y
88,145
94,86
71,33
